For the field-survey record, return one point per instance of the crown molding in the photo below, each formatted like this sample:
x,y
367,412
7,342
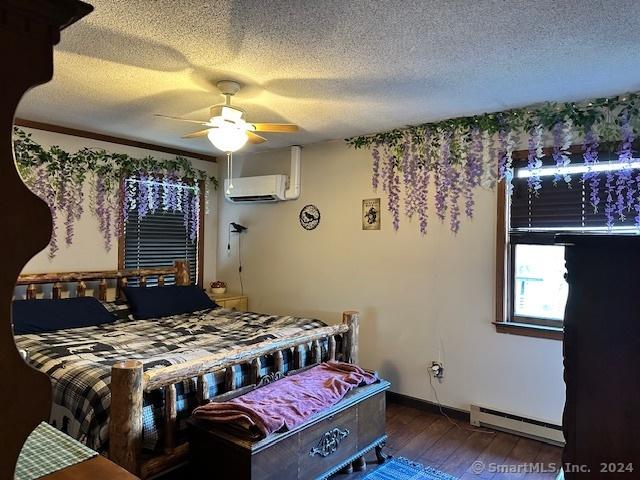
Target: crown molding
x,y
111,139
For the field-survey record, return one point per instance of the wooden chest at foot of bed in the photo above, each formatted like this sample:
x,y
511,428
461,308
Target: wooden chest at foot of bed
x,y
323,445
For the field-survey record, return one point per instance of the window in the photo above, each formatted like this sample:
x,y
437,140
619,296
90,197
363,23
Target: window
x,y
159,239
531,288
539,289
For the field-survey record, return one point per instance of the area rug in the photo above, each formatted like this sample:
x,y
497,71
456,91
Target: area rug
x,y
399,468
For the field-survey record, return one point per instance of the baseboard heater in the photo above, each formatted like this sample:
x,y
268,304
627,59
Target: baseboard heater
x,y
512,423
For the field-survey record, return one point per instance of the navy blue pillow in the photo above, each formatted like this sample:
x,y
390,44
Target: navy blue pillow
x,y
158,302
37,316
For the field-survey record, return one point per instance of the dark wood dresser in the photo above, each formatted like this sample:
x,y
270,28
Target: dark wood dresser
x,y
321,446
601,419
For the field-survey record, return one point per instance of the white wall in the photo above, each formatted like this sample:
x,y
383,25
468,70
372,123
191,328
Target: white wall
x,y
87,251
421,298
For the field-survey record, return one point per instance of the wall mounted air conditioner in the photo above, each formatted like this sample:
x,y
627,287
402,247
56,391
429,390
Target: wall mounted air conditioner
x,y
266,188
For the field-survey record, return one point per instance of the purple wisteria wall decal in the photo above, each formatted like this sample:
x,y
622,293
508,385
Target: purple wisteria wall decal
x,y
625,189
562,138
119,185
534,159
472,171
448,161
590,156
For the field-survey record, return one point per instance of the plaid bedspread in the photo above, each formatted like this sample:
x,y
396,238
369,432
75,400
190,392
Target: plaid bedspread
x,y
79,363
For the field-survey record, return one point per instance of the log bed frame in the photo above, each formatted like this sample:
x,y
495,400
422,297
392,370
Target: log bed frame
x,y
129,382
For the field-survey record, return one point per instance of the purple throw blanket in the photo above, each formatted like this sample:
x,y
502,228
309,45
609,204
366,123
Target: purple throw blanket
x,y
288,402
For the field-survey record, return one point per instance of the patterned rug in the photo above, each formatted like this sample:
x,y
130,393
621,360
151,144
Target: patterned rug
x,y
399,468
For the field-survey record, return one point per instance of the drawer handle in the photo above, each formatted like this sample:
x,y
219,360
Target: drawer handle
x,y
329,442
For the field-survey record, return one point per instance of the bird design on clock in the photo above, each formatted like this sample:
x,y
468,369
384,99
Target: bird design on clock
x,y
309,217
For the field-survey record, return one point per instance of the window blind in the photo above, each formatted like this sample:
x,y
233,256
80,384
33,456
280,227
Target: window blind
x,y
158,240
563,207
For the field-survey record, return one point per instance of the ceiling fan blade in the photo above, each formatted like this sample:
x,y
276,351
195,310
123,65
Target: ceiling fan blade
x,y
199,122
253,138
275,127
199,133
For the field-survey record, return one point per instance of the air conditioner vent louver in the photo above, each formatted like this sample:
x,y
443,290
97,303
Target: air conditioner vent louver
x,y
253,198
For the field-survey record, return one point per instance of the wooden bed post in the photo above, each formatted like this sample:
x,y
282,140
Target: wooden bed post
x,y
121,284
182,272
125,415
102,290
350,339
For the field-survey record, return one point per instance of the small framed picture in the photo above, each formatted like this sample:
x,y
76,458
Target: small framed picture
x,y
371,214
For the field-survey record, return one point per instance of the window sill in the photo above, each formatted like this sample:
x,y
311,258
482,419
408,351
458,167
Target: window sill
x,y
529,330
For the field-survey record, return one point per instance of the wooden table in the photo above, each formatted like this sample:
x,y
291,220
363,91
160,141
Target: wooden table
x,y
96,468
231,301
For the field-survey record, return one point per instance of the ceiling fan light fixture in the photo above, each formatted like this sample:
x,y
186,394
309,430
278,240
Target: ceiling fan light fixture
x,y
228,134
227,139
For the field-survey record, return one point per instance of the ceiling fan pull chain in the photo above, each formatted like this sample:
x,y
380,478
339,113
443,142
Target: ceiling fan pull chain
x,y
230,172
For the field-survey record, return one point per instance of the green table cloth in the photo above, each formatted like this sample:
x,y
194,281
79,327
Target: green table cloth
x,y
48,450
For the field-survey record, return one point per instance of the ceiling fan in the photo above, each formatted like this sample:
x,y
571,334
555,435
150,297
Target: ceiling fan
x,y
227,130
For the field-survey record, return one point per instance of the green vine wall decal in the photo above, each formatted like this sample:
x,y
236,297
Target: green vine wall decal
x,y
456,156
59,178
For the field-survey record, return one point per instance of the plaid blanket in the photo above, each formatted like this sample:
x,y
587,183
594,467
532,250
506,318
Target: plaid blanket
x,y
79,363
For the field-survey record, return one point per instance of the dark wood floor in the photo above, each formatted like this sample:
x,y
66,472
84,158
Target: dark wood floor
x,y
433,440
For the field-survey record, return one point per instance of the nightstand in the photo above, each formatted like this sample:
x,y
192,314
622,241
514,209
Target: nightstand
x,y
231,301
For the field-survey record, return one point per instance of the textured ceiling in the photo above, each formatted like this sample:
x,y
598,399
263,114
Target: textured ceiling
x,y
335,67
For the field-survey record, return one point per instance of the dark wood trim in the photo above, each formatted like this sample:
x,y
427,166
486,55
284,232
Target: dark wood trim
x,y
48,127
529,330
202,184
427,406
501,252
543,322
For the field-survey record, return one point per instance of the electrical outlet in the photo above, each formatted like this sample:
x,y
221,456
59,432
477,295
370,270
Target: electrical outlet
x,y
436,369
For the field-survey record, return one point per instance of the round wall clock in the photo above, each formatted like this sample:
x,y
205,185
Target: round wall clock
x,y
309,217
